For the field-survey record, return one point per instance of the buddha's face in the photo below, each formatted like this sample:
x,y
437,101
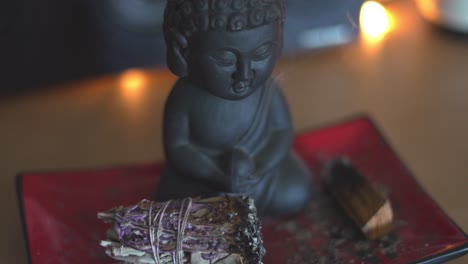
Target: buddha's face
x,y
232,65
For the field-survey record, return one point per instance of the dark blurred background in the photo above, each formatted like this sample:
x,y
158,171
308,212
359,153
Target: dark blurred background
x,y
47,42
51,41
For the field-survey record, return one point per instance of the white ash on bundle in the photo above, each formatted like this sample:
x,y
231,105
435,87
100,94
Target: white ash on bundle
x,y
222,230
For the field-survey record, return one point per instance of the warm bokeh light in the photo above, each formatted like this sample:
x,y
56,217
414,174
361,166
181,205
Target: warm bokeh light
x,y
429,9
374,20
132,81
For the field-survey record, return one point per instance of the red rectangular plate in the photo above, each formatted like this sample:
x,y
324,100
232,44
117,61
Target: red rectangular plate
x,y
59,209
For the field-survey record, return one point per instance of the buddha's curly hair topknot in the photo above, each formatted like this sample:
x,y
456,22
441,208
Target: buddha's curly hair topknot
x,y
190,16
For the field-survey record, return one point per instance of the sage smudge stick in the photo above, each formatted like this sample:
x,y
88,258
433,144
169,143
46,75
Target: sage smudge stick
x,y
219,230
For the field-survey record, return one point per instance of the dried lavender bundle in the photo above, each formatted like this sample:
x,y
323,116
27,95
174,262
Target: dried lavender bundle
x,y
219,230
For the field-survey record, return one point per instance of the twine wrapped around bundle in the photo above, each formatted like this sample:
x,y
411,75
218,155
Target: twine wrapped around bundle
x,y
219,230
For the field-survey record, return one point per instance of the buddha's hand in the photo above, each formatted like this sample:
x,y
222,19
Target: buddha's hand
x,y
239,166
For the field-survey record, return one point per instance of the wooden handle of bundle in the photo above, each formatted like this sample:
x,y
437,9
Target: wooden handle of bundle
x,y
361,201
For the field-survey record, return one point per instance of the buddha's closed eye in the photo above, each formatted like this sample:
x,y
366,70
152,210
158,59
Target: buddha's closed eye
x,y
223,58
263,51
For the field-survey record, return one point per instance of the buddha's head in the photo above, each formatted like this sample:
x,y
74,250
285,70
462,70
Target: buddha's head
x,y
228,47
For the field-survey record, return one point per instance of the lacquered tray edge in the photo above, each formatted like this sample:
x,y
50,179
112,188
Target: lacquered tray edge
x,y
19,192
445,256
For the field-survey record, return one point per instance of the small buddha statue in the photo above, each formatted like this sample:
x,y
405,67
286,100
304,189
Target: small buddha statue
x,y
227,127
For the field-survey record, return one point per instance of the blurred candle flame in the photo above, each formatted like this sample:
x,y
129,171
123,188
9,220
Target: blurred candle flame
x,y
374,20
132,82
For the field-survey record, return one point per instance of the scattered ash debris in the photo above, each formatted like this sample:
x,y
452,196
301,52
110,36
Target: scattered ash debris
x,y
328,236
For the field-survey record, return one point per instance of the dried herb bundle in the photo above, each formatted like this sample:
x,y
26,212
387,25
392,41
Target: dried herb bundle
x,y
197,231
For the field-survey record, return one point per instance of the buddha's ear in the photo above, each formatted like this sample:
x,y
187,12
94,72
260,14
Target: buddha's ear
x,y
280,43
176,53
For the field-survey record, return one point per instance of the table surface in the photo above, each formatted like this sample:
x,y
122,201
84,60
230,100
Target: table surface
x,y
413,83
